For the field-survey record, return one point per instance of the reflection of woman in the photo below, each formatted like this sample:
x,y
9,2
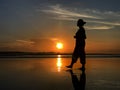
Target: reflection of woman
x,y
78,84
79,50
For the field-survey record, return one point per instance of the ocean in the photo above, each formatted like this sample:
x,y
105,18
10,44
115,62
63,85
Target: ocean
x,y
50,73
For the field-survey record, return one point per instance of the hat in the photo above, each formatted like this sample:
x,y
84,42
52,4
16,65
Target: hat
x,y
80,21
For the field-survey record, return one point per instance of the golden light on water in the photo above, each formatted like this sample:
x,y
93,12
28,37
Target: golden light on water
x,y
59,63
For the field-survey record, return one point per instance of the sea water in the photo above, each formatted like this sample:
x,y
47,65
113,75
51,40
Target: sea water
x,y
51,74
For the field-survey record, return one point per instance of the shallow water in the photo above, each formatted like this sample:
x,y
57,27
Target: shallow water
x,y
51,74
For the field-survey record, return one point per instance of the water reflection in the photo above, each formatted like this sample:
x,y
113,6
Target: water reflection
x,y
59,63
78,83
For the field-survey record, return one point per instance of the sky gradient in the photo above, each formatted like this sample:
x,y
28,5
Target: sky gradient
x,y
37,25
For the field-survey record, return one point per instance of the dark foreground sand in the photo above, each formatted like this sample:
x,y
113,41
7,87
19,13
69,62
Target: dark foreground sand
x,y
51,74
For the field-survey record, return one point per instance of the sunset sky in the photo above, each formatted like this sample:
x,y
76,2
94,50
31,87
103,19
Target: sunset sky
x,y
37,25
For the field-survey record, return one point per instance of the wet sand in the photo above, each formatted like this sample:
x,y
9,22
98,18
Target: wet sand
x,y
51,74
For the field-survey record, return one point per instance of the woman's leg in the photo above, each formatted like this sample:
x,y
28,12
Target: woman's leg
x,y
74,60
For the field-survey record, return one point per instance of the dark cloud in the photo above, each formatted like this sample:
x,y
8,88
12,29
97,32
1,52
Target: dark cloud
x,y
43,45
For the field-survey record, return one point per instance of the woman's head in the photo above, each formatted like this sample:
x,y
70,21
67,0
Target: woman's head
x,y
80,22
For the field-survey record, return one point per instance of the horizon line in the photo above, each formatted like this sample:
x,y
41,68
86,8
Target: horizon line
x,y
57,53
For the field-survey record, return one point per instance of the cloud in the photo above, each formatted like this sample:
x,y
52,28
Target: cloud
x,y
92,16
18,45
105,22
66,14
35,44
27,42
99,27
102,13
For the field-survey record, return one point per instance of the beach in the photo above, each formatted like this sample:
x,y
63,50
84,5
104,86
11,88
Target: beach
x,y
51,74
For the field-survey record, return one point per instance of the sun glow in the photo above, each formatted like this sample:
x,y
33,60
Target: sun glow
x,y
59,45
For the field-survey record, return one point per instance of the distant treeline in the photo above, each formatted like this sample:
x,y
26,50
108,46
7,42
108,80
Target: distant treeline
x,y
31,53
49,54
46,53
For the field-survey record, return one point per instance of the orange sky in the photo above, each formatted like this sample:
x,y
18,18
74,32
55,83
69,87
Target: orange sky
x,y
37,26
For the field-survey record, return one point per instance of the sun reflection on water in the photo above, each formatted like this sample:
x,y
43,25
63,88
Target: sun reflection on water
x,y
59,63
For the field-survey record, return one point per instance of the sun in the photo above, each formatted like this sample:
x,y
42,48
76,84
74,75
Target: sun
x,y
59,45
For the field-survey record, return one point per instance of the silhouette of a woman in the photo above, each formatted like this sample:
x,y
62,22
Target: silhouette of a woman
x,y
79,50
